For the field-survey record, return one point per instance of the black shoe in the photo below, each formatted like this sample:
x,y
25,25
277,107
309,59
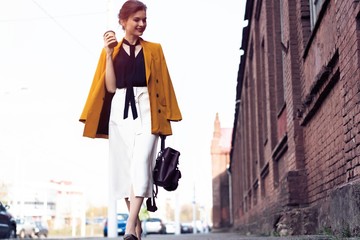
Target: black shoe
x,y
130,237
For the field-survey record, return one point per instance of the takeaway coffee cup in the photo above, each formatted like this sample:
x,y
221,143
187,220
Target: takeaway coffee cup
x,y
113,43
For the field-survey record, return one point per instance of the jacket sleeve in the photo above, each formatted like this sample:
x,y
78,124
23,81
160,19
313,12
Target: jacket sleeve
x,y
172,109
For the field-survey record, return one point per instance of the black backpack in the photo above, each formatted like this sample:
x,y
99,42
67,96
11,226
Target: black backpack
x,y
166,173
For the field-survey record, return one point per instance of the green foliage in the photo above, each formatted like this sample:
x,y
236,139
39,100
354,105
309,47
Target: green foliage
x,y
144,213
275,234
92,212
186,214
93,230
345,231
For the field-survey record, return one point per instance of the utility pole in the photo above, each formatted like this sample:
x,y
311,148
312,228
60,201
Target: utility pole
x,y
112,206
109,12
194,211
177,215
111,21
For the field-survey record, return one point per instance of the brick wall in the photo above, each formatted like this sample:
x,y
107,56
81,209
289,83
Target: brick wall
x,y
296,141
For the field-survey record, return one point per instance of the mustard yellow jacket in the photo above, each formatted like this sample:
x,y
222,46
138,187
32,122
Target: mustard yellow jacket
x,y
163,103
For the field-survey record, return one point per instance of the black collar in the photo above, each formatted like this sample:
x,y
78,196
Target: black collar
x,y
127,43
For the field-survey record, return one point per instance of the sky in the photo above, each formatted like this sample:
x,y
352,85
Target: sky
x,y
48,54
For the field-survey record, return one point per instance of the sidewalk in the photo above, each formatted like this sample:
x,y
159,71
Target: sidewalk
x,y
232,236
215,236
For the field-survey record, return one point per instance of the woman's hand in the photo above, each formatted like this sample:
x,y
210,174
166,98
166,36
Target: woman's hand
x,y
110,42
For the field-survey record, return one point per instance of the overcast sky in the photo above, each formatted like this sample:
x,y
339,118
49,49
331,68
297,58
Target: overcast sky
x,y
48,53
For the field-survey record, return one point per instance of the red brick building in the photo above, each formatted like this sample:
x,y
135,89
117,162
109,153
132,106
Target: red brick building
x,y
295,158
220,157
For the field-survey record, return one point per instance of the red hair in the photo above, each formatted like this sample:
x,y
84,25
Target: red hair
x,y
130,7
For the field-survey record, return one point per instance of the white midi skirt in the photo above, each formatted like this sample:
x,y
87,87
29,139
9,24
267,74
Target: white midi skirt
x,y
132,147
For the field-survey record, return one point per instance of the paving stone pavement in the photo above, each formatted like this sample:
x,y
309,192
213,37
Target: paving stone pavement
x,y
214,236
229,236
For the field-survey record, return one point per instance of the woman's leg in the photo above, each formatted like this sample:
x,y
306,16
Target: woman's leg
x,y
133,225
138,229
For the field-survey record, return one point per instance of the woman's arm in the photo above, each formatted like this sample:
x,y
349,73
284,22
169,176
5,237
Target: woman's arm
x,y
110,79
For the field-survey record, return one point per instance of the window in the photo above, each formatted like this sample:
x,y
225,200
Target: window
x,y
315,7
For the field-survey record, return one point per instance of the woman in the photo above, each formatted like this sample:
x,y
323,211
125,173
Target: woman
x,y
131,102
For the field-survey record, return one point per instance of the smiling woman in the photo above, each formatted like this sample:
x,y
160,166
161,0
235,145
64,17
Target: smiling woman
x,y
131,102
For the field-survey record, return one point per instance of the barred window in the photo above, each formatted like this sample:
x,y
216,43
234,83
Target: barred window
x,y
315,7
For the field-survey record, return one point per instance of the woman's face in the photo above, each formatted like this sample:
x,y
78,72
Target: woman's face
x,y
136,24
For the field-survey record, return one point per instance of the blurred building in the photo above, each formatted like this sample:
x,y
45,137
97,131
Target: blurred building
x,y
295,158
59,203
220,157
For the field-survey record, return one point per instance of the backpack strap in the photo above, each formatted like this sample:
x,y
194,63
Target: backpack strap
x,y
150,202
163,137
155,191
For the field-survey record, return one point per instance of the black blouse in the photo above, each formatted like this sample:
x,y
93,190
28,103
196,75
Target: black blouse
x,y
125,73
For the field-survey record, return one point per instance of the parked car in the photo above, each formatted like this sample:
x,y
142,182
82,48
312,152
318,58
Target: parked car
x,y
41,229
154,225
186,228
7,223
121,221
170,228
202,227
27,227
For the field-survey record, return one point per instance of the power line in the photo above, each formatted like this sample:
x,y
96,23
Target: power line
x,y
60,16
62,27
